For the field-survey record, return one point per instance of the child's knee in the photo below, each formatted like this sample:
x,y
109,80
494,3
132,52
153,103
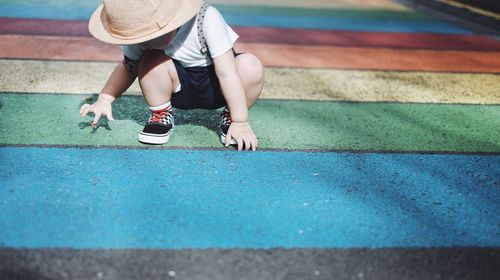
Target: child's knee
x,y
154,63
251,68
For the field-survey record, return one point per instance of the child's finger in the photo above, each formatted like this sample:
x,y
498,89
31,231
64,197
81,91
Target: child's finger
x,y
248,144
253,143
96,119
229,138
84,110
110,116
239,140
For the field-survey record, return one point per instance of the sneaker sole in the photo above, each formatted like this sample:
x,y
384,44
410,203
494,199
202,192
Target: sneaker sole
x,y
223,140
148,138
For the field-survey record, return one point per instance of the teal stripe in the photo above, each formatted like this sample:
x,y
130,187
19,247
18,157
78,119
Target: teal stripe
x,y
315,12
280,124
351,24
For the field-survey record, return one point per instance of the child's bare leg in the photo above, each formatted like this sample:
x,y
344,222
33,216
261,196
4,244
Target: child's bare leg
x,y
251,74
157,77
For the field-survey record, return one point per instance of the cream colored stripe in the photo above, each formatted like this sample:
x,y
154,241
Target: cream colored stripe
x,y
281,83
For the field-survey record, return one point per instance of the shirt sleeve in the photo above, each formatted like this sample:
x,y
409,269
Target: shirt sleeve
x,y
220,37
133,52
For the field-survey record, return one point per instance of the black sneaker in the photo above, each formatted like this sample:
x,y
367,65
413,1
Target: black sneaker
x,y
158,128
225,122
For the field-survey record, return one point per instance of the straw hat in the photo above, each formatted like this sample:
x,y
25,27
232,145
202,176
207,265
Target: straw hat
x,y
125,22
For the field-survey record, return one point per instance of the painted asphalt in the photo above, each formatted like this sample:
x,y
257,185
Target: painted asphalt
x,y
379,153
281,83
302,56
383,127
252,19
310,37
181,199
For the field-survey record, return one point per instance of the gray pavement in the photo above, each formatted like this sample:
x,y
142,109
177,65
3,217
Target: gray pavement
x,y
416,263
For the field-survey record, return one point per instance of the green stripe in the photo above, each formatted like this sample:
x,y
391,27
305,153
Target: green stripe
x,y
279,124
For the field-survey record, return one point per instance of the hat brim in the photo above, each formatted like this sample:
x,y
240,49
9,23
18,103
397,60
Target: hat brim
x,y
187,10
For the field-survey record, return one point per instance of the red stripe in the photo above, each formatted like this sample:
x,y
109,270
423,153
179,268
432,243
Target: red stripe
x,y
284,36
88,49
43,27
368,39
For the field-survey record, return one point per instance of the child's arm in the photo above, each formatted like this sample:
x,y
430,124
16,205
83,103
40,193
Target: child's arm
x,y
118,82
234,93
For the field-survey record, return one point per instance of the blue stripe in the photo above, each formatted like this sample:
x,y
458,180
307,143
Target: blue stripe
x,y
239,19
348,24
120,198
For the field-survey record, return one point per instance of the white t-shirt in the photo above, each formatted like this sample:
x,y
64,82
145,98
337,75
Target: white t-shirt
x,y
185,47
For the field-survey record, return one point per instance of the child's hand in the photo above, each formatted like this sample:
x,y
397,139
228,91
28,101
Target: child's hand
x,y
100,107
243,134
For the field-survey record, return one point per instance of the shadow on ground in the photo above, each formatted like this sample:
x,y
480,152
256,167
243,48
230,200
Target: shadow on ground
x,y
134,108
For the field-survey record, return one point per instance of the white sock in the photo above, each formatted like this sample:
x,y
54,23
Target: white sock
x,y
163,107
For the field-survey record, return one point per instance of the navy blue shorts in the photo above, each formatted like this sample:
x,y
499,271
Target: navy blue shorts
x,y
200,88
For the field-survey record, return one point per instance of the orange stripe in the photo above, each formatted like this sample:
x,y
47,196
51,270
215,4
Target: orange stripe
x,y
88,49
376,59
